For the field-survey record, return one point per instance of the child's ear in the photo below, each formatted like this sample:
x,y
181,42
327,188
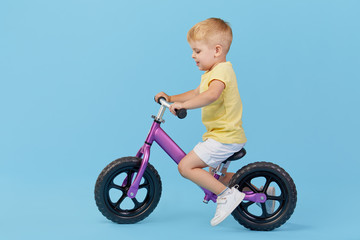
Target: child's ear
x,y
218,50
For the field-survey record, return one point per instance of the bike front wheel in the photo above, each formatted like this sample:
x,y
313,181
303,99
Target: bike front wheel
x,y
279,188
112,187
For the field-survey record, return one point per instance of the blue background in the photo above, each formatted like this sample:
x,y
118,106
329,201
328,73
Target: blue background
x,y
77,85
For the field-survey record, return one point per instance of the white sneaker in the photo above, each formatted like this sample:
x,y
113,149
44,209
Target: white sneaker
x,y
226,203
269,204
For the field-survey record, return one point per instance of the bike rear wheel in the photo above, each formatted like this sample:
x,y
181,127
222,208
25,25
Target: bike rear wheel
x,y
258,177
112,187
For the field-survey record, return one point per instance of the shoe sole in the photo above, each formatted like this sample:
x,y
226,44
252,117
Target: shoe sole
x,y
235,206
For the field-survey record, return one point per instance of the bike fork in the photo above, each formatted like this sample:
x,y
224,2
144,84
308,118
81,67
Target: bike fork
x,y
144,151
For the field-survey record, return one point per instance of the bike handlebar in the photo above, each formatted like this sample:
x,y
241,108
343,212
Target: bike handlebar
x,y
180,113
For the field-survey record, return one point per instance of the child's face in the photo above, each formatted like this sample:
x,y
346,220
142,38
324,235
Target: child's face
x,y
203,54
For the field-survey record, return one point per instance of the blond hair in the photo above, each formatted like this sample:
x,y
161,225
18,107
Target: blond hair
x,y
213,31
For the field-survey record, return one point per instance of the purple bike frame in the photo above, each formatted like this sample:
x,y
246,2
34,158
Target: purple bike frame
x,y
158,135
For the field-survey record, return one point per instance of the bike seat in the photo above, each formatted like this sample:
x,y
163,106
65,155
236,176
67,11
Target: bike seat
x,y
237,155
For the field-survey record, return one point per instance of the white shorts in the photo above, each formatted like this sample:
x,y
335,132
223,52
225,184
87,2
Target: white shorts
x,y
213,152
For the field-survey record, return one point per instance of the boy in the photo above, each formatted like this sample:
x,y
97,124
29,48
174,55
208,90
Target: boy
x,y
219,98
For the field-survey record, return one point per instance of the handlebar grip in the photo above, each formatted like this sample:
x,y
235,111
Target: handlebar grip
x,y
181,113
158,101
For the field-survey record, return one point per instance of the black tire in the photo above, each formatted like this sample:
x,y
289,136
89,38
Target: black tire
x,y
285,201
112,184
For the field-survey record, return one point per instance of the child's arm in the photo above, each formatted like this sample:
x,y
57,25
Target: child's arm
x,y
202,99
183,97
180,97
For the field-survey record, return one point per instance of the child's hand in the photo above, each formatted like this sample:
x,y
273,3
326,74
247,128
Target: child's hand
x,y
175,106
162,94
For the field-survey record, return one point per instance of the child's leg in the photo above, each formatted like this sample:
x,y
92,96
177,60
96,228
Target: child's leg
x,y
191,167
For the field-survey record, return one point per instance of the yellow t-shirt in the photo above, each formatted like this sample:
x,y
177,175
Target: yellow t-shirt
x,y
222,118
